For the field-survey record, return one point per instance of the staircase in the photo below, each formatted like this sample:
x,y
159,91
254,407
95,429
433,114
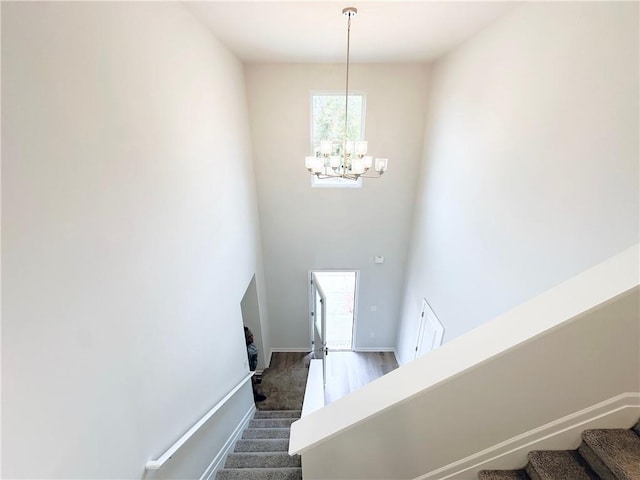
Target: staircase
x,y
262,453
603,455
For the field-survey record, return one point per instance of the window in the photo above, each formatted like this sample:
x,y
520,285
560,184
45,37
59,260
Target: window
x,y
327,123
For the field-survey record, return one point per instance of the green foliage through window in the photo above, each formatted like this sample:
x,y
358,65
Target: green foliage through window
x,y
328,112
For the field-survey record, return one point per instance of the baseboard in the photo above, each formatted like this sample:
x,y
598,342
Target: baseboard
x,y
621,411
219,459
287,350
375,349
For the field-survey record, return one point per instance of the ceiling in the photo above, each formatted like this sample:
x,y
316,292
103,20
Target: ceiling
x,y
315,31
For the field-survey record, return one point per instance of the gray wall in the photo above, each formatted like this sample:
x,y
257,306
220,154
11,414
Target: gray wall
x,y
314,229
129,236
530,168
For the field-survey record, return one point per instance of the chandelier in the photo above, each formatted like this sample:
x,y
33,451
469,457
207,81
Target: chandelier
x,y
347,159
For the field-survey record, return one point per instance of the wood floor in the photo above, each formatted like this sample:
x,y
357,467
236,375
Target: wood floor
x,y
346,371
349,371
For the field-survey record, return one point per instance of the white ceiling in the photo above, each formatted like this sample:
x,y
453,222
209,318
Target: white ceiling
x,y
315,31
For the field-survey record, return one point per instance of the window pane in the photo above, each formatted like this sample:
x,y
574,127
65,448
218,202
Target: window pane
x,y
328,118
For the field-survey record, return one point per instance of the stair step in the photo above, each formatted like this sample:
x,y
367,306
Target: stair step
x,y
260,474
277,414
608,454
271,422
261,460
503,475
558,465
262,445
612,453
257,433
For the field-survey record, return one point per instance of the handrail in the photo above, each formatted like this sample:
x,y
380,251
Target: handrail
x,y
156,464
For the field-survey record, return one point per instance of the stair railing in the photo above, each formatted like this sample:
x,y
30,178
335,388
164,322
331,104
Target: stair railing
x,y
156,464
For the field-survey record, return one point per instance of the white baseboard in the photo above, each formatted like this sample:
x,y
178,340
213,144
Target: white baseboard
x,y
375,349
621,411
219,459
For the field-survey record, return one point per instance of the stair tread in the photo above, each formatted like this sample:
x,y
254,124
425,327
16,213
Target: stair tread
x,y
503,475
558,465
261,414
262,445
252,460
271,422
618,449
293,473
265,433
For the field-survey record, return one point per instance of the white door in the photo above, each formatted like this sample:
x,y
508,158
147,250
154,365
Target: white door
x,y
430,331
319,317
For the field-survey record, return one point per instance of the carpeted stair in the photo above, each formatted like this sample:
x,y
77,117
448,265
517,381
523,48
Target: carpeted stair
x,y
262,452
612,454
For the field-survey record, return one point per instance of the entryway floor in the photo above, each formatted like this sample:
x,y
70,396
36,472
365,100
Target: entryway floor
x,y
349,371
346,372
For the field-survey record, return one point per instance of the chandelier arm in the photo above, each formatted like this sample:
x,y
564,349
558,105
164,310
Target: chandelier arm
x,y
324,176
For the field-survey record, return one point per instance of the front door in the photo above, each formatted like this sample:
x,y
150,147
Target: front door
x,y
319,317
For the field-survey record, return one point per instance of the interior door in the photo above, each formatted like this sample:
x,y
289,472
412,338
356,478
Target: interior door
x,y
319,315
430,331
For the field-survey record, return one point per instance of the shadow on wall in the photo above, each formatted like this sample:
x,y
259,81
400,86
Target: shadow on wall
x,y
251,318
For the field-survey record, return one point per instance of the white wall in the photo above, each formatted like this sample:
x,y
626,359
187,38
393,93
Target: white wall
x,y
314,229
129,237
567,356
530,169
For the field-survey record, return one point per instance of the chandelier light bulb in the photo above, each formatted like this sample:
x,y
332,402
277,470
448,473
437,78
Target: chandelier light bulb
x,y
309,162
348,147
358,166
381,165
318,165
